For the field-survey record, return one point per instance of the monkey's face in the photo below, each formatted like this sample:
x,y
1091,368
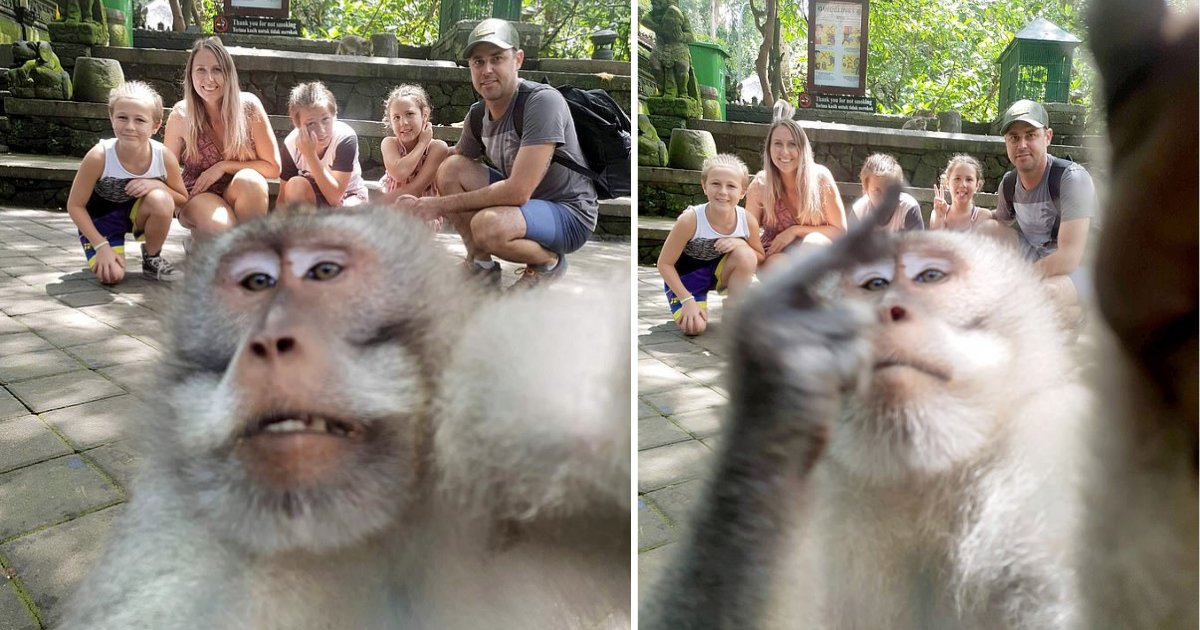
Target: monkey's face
x,y
308,351
956,316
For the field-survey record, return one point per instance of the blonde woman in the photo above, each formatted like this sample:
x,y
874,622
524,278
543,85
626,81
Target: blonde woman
x,y
793,198
225,141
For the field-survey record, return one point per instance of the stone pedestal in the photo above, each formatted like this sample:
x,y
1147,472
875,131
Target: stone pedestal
x,y
676,107
95,78
385,45
690,147
950,122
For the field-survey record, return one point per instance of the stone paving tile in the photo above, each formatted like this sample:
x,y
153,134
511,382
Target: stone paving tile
x,y
137,378
701,423
678,501
65,286
692,361
644,410
49,492
651,565
658,431
68,327
10,325
63,390
87,298
653,530
14,614
95,423
27,440
50,563
686,398
117,459
10,407
22,342
671,464
656,376
115,351
27,365
29,305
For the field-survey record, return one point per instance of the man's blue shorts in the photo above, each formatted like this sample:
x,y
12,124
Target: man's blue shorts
x,y
549,223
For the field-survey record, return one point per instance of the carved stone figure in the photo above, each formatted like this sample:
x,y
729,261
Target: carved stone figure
x,y
84,22
652,151
41,77
671,61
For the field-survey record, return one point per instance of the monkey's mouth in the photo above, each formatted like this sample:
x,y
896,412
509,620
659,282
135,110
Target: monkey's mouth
x,y
926,368
289,423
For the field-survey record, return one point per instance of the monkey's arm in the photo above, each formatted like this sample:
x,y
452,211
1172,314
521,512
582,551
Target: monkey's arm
x,y
807,355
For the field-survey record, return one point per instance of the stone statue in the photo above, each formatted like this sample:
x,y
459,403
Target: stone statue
x,y
671,61
652,151
83,22
42,77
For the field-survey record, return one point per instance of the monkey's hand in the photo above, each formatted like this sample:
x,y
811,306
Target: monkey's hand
x,y
796,357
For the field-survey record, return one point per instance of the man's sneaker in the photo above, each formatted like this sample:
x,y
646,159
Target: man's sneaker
x,y
486,277
532,276
158,268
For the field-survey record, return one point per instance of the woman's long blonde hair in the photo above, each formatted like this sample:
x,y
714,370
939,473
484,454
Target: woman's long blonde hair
x,y
236,141
810,211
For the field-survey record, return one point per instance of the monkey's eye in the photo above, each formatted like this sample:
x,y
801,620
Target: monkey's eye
x,y
323,271
930,275
258,282
875,284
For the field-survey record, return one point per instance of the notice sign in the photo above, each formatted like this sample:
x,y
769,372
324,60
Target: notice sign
x,y
255,25
837,47
838,102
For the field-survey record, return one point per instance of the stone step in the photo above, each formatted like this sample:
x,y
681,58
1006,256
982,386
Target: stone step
x,y
44,181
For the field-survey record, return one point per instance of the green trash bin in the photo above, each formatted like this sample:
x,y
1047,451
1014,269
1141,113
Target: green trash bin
x,y
126,6
708,60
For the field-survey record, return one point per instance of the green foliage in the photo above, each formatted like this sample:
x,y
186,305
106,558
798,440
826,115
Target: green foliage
x,y
567,25
415,22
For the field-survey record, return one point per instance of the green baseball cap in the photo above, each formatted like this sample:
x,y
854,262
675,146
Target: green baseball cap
x,y
493,31
1024,110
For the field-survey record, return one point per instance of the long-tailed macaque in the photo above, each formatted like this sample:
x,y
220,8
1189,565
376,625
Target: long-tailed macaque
x,y
348,437
911,442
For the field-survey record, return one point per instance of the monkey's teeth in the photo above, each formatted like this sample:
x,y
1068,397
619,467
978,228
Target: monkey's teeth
x,y
285,426
318,424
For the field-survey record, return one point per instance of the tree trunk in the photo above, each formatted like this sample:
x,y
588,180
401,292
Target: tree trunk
x,y
767,21
714,7
177,23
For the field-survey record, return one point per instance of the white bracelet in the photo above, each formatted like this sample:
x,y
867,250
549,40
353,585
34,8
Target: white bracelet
x,y
691,298
97,246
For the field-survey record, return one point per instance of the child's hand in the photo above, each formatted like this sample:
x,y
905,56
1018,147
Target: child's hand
x,y
306,143
693,319
110,268
939,200
426,134
142,187
728,244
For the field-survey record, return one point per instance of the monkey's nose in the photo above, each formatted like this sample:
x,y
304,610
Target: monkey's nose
x,y
895,313
272,347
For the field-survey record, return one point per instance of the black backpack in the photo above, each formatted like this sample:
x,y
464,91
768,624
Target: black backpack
x,y
602,127
1058,166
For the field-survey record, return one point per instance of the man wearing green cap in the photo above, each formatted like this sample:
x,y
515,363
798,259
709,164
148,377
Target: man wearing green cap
x,y
523,208
1048,201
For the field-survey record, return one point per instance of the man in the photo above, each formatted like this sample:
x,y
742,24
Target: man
x,y
526,209
1052,232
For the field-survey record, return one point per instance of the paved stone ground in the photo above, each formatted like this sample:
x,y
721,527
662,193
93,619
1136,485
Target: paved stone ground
x,y
76,358
681,399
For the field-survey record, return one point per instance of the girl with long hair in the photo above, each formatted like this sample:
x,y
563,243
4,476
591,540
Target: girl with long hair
x,y
794,199
225,141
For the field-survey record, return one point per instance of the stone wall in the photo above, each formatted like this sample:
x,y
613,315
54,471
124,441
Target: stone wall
x,y
359,83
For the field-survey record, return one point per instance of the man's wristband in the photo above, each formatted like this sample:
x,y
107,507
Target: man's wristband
x,y
690,298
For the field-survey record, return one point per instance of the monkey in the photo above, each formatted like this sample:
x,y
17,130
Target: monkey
x,y
347,437
354,45
910,443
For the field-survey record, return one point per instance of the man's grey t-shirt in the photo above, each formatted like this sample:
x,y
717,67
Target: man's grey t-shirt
x,y
1036,212
547,121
